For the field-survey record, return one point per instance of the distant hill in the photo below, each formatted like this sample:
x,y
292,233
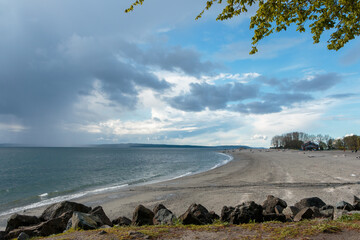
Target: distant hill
x,y
141,145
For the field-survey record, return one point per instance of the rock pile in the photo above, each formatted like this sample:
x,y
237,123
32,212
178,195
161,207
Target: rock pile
x,y
63,216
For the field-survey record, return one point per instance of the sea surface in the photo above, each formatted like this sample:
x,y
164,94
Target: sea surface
x,y
34,177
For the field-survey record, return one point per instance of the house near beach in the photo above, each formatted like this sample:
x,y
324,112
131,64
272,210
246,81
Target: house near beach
x,y
309,146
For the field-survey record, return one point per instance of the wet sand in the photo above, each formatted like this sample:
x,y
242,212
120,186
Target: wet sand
x,y
252,175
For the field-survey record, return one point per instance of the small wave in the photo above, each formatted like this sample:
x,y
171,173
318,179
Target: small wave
x,y
183,175
60,199
43,195
229,159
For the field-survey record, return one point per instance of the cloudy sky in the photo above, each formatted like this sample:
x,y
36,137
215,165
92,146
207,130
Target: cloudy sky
x,y
84,72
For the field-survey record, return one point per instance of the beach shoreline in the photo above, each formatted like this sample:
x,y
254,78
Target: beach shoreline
x,y
252,175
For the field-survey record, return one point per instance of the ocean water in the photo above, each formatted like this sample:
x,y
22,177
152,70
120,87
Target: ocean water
x,y
33,177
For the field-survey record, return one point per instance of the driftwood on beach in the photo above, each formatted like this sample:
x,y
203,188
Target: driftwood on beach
x,y
63,216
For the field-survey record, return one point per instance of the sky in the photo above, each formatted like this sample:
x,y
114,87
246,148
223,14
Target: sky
x,y
84,72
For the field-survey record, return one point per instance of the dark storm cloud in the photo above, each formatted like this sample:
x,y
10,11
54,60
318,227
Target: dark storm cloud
x,y
213,97
53,52
271,103
318,82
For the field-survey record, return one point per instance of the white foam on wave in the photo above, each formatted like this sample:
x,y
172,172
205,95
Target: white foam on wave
x,y
229,159
60,199
183,175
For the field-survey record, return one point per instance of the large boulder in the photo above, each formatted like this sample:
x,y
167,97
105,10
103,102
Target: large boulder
x,y
310,202
243,213
58,209
99,212
188,218
121,221
85,221
164,217
344,206
52,226
200,212
142,216
17,220
356,203
273,205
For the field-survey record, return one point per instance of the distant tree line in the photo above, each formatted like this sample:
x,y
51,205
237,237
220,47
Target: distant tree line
x,y
294,140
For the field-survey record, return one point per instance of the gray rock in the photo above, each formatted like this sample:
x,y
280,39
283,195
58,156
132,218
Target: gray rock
x,y
99,212
17,220
290,211
23,236
142,216
310,202
164,217
158,207
85,221
344,206
305,213
102,232
121,221
58,209
138,235
271,202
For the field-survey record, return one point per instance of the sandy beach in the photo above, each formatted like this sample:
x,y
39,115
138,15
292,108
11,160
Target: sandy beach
x,y
252,175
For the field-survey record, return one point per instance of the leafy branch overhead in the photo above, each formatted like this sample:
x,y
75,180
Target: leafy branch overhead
x,y
340,16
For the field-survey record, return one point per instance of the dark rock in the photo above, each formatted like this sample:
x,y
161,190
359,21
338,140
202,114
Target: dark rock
x,y
164,217
102,232
158,207
121,221
274,217
23,236
85,221
213,216
17,220
305,213
290,211
142,216
310,202
326,207
246,212
356,204
58,209
225,213
188,218
344,206
327,211
99,212
201,213
271,202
